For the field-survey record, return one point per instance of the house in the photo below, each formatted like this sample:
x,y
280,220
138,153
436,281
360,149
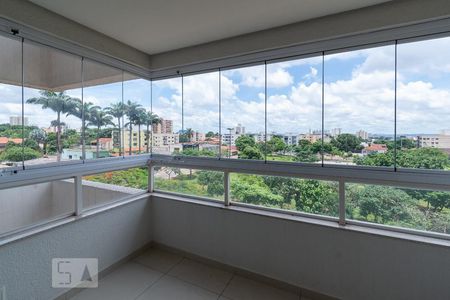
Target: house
x,y
374,148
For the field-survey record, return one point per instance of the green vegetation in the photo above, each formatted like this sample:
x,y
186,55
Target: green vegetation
x,y
135,178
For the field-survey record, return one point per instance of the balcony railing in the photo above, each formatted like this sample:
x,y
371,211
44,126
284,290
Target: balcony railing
x,y
339,177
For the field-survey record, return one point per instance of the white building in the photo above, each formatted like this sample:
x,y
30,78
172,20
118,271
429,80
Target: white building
x,y
362,134
229,139
440,141
335,132
17,121
290,139
260,137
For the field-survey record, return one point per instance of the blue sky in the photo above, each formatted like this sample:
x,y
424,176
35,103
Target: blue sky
x,y
358,94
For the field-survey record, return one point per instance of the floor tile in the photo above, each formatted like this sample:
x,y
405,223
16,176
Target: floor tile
x,y
159,260
204,276
171,288
126,282
241,288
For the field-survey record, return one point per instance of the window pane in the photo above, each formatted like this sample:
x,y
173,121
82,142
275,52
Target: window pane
x,y
423,104
11,105
190,182
52,81
138,116
359,105
167,106
201,115
102,91
243,112
410,208
31,204
107,187
306,195
294,110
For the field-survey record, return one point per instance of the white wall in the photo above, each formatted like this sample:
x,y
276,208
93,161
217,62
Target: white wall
x,y
337,262
25,265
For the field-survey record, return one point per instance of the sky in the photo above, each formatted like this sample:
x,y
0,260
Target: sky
x,y
359,94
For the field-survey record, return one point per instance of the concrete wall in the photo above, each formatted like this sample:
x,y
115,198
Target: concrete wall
x,y
36,17
27,205
369,19
337,262
25,265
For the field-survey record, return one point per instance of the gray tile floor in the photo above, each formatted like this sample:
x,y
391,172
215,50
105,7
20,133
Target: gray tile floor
x,y
162,275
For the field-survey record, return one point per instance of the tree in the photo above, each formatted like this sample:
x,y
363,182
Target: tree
x,y
213,182
59,103
210,134
99,118
149,120
17,153
40,136
196,152
131,111
140,119
380,204
275,144
251,152
251,189
425,158
117,111
347,143
245,141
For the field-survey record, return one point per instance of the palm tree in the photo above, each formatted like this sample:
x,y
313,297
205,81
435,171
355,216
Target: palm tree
x,y
189,134
60,103
140,119
131,111
117,110
150,119
99,118
81,111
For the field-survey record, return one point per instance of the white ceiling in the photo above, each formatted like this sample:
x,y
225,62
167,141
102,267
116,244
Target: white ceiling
x,y
155,26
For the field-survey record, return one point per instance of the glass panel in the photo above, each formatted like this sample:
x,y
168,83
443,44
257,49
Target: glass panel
x,y
138,116
190,182
201,115
167,105
359,105
306,195
31,204
423,105
294,110
103,103
11,107
243,113
107,187
410,208
52,81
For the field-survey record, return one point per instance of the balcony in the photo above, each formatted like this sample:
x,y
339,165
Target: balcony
x,y
275,151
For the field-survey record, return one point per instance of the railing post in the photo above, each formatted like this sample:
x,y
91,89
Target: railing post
x,y
341,202
78,195
226,184
151,179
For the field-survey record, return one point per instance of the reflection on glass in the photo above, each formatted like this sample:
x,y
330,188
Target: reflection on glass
x,y
138,116
294,110
201,115
243,113
423,105
104,111
107,187
52,98
359,101
305,195
402,207
190,182
167,109
11,107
